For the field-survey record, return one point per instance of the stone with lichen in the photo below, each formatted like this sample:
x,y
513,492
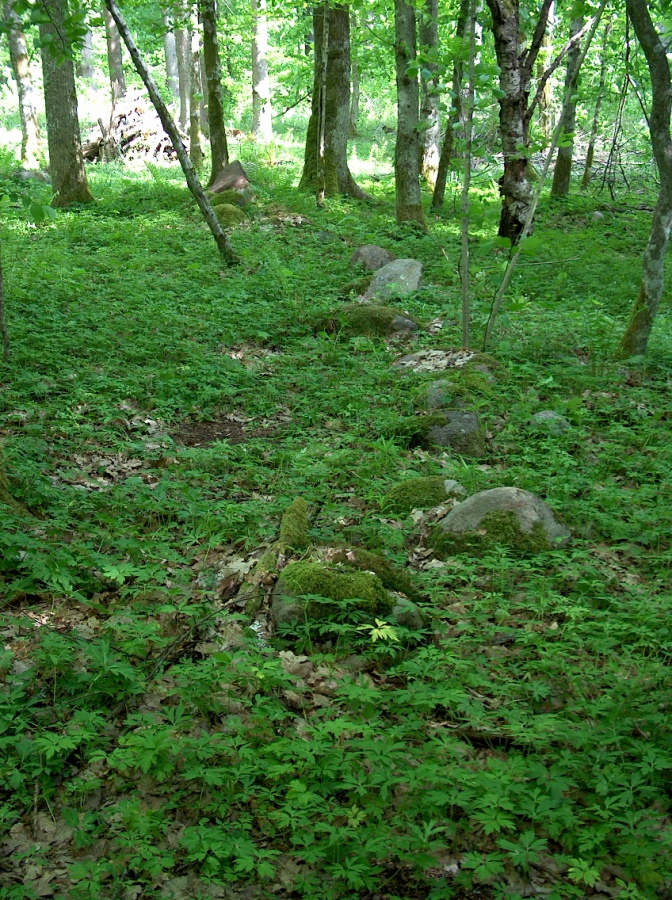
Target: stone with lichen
x,y
507,516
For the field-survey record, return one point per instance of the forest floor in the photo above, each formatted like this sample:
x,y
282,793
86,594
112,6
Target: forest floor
x,y
159,414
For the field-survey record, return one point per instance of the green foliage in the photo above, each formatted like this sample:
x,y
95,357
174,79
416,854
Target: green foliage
x,y
525,730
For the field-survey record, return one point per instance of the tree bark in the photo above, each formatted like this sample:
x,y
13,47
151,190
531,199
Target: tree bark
x,y
455,115
516,68
115,62
562,174
170,55
66,164
183,51
330,111
262,110
219,149
636,337
32,150
407,149
3,321
171,130
546,97
430,118
85,67
195,96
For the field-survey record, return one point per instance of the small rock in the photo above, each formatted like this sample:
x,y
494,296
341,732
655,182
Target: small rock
x,y
235,198
396,279
505,515
228,215
408,614
549,420
421,493
460,430
370,320
440,394
597,216
371,257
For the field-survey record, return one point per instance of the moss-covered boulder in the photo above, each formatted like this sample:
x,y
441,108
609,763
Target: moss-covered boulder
x,y
392,577
442,394
408,614
294,526
369,320
313,590
421,493
228,215
508,516
396,279
233,198
549,421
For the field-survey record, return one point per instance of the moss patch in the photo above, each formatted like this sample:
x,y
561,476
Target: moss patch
x,y
233,198
368,320
294,525
392,577
229,215
307,577
499,527
415,493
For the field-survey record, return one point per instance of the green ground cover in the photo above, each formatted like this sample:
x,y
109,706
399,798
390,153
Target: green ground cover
x,y
159,414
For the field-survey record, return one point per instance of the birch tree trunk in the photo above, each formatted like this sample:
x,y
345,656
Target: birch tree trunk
x,y
66,163
636,337
183,51
407,149
455,115
430,118
170,56
85,68
516,66
171,130
262,110
195,97
115,62
32,150
562,174
330,113
219,149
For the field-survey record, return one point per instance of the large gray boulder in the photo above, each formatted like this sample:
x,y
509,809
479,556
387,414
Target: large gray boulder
x,y
397,279
505,515
371,257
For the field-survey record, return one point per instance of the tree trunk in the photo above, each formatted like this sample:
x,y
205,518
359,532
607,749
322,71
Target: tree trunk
x,y
115,62
354,101
66,163
430,119
407,149
455,115
183,50
585,181
546,98
262,111
3,321
636,337
516,65
219,150
31,141
170,55
195,96
562,174
170,128
335,105
85,67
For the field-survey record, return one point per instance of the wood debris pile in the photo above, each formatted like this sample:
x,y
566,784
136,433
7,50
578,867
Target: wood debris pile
x,y
134,132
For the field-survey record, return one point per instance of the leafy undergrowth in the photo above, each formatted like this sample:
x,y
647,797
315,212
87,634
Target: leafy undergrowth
x,y
159,414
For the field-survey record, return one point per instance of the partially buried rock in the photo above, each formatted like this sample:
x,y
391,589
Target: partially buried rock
x,y
369,320
228,215
421,493
392,577
510,516
442,394
234,198
371,257
313,590
230,177
548,420
459,429
396,279
294,525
